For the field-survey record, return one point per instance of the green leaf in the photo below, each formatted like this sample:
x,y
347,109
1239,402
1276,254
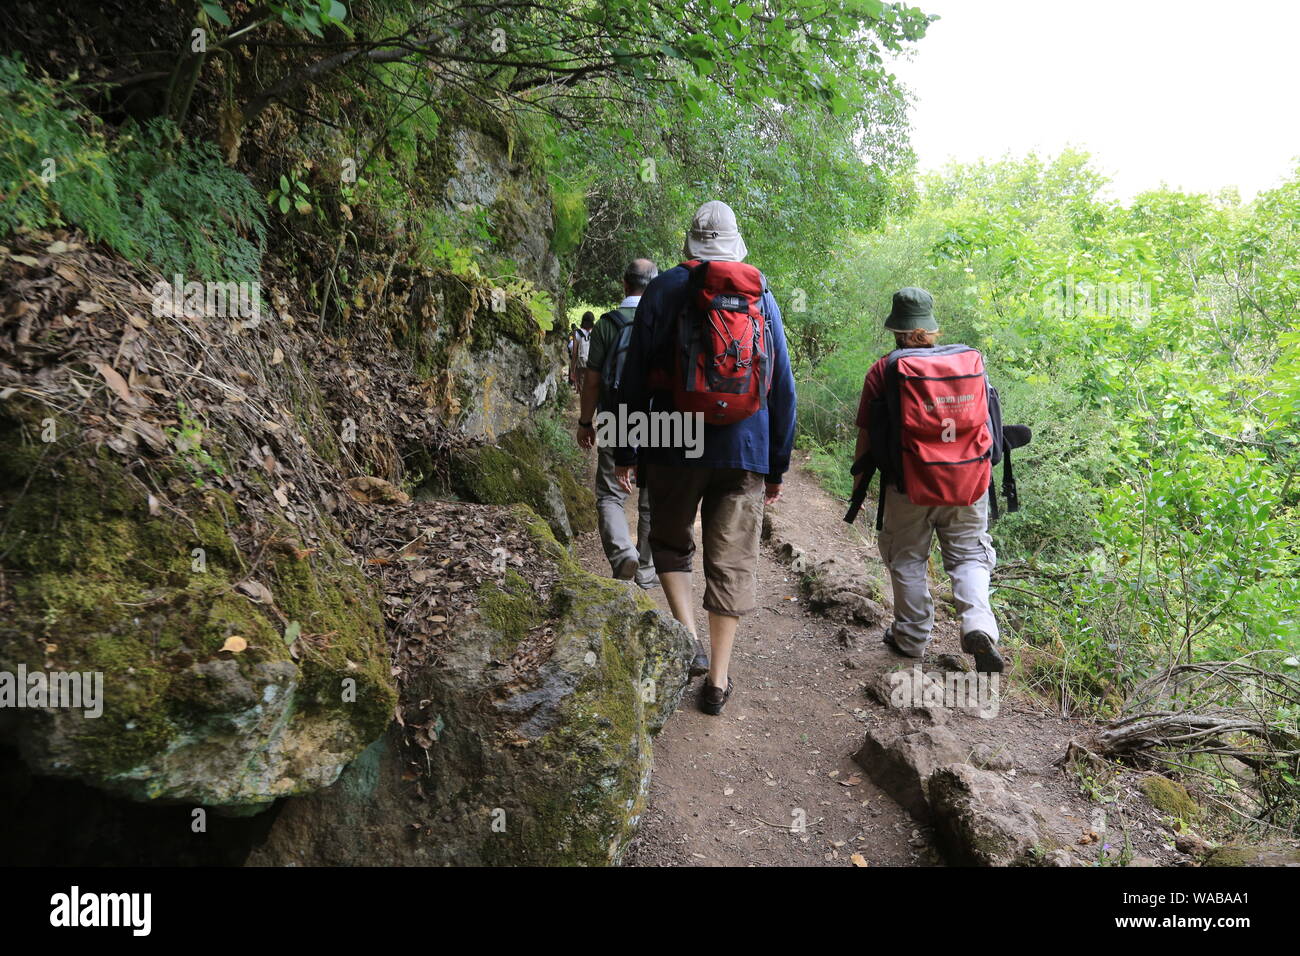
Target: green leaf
x,y
214,11
291,632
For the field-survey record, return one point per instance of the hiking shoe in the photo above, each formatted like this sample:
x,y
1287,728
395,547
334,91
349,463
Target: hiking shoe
x,y
713,699
889,642
987,658
626,569
699,664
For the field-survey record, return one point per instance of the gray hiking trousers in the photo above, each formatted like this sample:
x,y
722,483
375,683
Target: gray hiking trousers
x,y
968,557
614,532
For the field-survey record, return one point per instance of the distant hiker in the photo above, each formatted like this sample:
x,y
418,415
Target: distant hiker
x,y
578,348
931,424
707,340
605,362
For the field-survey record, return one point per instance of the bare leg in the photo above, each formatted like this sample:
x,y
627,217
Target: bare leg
x,y
722,635
677,588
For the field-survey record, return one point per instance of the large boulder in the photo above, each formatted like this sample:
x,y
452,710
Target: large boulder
x,y
525,740
224,683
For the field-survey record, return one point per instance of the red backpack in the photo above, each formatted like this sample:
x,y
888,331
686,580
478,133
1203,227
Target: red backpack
x,y
944,434
722,359
936,430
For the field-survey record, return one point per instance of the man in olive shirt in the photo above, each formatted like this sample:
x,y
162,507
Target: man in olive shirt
x,y
628,560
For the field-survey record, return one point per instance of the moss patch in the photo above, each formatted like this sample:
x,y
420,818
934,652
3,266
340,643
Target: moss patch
x,y
522,469
579,502
1169,796
99,584
512,611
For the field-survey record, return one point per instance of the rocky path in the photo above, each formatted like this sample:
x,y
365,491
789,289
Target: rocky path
x,y
730,790
773,781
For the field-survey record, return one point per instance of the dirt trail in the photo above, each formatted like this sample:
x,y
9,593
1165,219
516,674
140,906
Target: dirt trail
x,y
727,790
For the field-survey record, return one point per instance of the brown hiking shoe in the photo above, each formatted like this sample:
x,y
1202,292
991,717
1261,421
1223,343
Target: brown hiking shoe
x,y
713,699
985,649
699,662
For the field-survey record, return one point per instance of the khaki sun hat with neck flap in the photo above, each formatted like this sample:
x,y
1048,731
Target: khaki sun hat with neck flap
x,y
714,235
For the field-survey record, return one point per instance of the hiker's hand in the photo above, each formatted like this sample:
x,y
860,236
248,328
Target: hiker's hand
x,y
626,475
586,436
771,494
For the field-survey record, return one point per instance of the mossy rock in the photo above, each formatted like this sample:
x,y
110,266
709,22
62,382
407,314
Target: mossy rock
x,y
98,584
520,469
1170,797
542,763
579,502
1265,854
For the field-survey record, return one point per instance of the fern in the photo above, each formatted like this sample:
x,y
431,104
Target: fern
x,y
149,194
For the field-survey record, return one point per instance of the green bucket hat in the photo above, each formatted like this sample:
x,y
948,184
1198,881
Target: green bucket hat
x,y
913,309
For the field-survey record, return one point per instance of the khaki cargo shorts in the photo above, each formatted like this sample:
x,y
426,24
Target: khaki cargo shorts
x,y
730,505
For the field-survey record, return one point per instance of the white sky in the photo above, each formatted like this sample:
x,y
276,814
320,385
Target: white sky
x,y
1198,95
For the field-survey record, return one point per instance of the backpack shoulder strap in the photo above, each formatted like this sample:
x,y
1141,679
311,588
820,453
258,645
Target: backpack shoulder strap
x,y
619,317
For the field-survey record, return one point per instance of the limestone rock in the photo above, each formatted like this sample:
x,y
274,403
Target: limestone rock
x,y
545,765
978,821
901,765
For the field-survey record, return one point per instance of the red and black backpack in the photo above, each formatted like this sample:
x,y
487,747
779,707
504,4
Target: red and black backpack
x,y
721,347
936,430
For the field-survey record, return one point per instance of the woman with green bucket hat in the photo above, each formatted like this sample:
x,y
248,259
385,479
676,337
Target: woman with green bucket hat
x,y
945,387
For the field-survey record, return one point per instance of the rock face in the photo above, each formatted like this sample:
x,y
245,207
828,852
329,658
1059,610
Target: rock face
x,y
99,585
485,174
480,353
541,742
185,512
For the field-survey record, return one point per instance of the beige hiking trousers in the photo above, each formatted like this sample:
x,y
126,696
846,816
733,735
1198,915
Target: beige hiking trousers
x,y
968,557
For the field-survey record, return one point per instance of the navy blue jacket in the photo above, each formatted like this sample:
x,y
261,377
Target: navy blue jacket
x,y
760,443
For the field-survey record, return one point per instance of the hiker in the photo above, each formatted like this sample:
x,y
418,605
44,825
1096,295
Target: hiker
x,y
930,422
707,342
609,342
579,346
